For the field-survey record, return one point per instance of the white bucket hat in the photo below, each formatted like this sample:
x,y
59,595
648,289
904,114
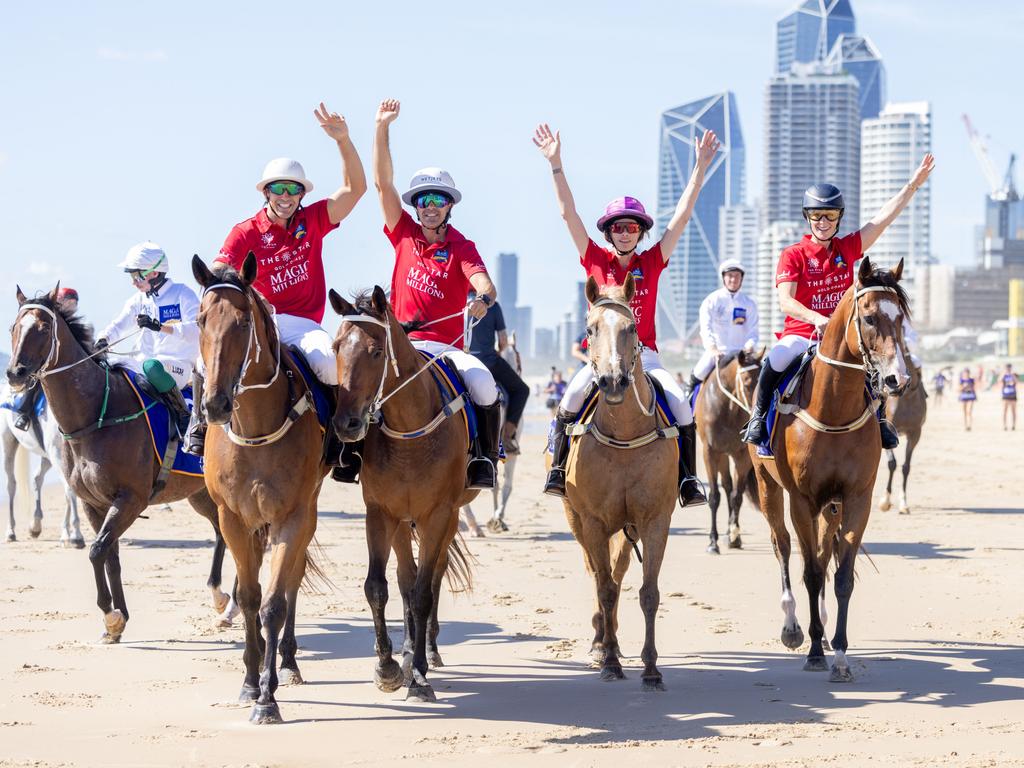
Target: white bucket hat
x,y
431,180
284,169
730,265
145,256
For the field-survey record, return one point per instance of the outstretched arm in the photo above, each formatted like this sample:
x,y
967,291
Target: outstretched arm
x,y
873,230
550,145
383,171
705,152
353,186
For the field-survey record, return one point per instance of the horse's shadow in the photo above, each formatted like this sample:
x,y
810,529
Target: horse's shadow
x,y
917,550
129,541
567,535
985,510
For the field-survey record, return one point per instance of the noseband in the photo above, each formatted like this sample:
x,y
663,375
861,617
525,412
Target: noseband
x,y
867,364
253,342
606,301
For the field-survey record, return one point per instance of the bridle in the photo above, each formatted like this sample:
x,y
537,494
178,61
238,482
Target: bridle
x,y
253,342
606,301
741,392
867,364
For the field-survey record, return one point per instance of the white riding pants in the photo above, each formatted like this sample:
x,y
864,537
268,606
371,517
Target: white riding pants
x,y
788,349
314,342
180,370
572,401
479,381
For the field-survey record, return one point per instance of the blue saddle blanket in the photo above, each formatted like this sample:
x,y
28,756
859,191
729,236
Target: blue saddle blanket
x,y
160,425
765,449
17,398
320,398
451,386
693,395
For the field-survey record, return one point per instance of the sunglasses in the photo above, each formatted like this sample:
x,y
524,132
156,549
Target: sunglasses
x,y
138,275
435,199
285,188
622,227
831,218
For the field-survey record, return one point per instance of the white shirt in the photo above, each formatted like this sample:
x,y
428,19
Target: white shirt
x,y
728,320
175,305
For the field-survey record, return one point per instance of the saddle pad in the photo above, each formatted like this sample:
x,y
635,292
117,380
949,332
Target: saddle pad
x,y
17,399
693,395
450,385
321,400
159,422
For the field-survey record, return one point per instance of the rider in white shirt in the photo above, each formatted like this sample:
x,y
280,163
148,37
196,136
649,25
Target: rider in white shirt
x,y
728,322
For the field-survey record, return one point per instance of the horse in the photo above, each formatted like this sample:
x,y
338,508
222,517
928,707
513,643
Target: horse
x,y
621,478
826,451
43,439
500,493
413,479
721,408
107,458
264,468
907,412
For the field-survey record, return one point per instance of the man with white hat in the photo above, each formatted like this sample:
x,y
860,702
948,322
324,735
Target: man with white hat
x,y
728,322
435,269
165,311
287,240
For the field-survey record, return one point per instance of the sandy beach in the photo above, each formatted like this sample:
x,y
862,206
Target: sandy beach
x,y
935,632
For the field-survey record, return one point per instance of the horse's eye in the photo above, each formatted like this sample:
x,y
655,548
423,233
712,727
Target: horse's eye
x,y
870,320
590,331
376,353
631,329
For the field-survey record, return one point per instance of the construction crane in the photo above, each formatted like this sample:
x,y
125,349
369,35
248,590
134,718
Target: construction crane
x,y
981,152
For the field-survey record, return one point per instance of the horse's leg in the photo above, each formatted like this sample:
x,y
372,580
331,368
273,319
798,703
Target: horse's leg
x,y
741,476
103,554
855,519
10,444
811,531
886,503
288,670
37,517
711,462
471,523
731,497
620,551
247,550
654,536
773,508
596,544
434,659
434,533
402,547
912,438
380,530
506,488
205,506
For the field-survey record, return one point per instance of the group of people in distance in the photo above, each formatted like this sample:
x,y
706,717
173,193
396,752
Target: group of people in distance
x,y
438,275
967,392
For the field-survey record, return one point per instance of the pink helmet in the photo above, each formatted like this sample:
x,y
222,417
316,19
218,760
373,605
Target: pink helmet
x,y
625,208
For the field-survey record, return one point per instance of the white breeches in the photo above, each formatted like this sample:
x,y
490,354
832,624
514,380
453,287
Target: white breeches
x,y
788,349
314,342
479,380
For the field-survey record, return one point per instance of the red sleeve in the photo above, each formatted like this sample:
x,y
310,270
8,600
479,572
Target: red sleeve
x,y
850,246
470,261
234,249
654,260
321,216
594,254
788,270
405,227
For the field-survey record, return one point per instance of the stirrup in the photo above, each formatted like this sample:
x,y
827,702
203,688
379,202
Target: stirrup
x,y
555,484
480,475
691,492
753,432
195,439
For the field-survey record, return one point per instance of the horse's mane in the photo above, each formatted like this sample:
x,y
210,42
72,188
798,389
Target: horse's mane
x,y
79,328
880,276
228,274
363,302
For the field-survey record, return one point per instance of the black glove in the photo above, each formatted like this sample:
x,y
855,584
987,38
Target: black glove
x,y
145,321
100,344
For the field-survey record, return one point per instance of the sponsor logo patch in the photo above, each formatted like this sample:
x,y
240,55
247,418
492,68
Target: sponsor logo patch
x,y
170,313
739,315
441,256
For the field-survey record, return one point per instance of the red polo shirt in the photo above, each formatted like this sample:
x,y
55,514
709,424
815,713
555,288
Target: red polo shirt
x,y
431,280
291,264
646,267
822,275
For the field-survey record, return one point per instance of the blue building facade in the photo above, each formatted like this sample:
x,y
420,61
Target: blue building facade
x,y
858,56
810,31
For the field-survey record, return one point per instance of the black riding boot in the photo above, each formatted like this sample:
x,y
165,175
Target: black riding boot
x,y
195,436
689,386
555,485
755,431
481,472
890,437
176,404
691,492
24,407
350,461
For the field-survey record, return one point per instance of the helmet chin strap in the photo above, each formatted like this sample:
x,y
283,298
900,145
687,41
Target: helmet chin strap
x,y
623,253
439,227
155,288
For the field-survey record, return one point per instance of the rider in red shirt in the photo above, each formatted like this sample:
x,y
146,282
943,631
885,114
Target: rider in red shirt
x,y
812,277
624,224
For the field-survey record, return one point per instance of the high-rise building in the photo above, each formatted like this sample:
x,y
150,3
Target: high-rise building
x,y
506,282
892,146
524,331
812,134
544,343
809,31
692,270
1001,239
859,56
738,230
769,247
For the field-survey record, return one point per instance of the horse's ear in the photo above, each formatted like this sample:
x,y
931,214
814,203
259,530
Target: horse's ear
x,y
866,268
20,296
592,292
249,268
55,292
759,355
380,301
897,271
201,272
630,287
339,304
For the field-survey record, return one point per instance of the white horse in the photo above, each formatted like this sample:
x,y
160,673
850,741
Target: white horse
x,y
17,444
501,492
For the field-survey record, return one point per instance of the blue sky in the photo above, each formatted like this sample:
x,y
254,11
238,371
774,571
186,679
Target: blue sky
x,y
130,121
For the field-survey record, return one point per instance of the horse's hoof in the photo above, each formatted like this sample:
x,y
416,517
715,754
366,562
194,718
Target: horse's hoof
x,y
736,543
713,548
885,506
78,543
815,664
108,639
115,623
34,534
652,684
289,676
840,675
220,601
904,510
407,668
11,537
792,638
265,714
249,694
612,672
388,676
420,692
434,659
494,525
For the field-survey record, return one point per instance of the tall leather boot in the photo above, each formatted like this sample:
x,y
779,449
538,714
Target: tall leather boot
x,y
756,429
555,485
890,437
176,404
689,386
691,492
24,405
195,436
350,462
481,473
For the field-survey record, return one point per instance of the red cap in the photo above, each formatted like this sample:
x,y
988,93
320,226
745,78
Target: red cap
x,y
67,293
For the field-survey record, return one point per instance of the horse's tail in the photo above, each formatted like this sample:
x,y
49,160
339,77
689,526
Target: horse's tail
x,y
315,580
459,572
750,488
23,495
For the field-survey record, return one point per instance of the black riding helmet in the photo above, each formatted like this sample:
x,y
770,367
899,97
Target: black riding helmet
x,y
824,197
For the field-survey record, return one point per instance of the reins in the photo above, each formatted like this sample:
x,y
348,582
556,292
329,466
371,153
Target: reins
x,y
744,404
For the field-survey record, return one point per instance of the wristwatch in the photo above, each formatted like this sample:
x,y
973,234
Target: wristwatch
x,y
485,299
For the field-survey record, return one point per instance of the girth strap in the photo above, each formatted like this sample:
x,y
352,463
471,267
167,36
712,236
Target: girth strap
x,y
578,430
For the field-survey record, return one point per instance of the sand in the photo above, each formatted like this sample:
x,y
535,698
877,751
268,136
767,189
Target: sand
x,y
935,632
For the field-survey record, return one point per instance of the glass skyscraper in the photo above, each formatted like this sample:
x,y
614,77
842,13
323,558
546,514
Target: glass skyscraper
x,y
858,56
692,270
809,31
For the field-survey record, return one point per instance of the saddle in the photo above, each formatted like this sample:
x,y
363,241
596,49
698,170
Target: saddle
x,y
451,386
789,381
16,400
162,431
323,397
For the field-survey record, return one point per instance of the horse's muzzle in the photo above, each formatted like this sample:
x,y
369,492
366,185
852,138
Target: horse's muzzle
x,y
218,407
349,428
896,383
18,376
613,387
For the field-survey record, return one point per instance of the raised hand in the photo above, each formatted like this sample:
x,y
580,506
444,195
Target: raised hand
x,y
334,125
549,144
923,171
388,110
706,148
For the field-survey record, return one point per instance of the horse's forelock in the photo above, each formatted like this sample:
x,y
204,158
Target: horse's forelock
x,y
79,328
883,278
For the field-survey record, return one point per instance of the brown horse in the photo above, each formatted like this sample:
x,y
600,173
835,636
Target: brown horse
x,y
107,458
621,478
721,409
413,477
907,412
263,467
827,446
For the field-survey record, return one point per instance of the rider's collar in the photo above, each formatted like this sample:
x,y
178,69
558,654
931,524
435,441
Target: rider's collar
x,y
264,222
154,290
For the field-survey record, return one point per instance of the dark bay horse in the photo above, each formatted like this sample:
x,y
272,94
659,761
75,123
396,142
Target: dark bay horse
x,y
621,478
107,458
264,468
721,409
907,412
413,478
826,451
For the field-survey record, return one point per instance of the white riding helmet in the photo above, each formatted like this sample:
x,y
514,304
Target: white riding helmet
x,y
147,256
431,180
731,265
284,169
